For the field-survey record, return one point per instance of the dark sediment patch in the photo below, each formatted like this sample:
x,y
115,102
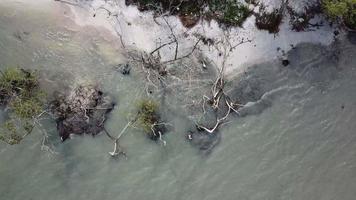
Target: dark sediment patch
x,y
351,36
269,21
124,69
301,21
83,111
189,21
285,62
204,141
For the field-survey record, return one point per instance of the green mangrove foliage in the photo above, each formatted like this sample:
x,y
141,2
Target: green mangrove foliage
x,y
21,94
341,9
228,12
147,114
148,119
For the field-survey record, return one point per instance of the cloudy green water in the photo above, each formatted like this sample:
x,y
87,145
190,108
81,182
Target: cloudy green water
x,y
302,145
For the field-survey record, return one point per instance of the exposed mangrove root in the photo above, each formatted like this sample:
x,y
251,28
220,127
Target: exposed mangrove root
x,y
157,130
117,149
218,100
218,95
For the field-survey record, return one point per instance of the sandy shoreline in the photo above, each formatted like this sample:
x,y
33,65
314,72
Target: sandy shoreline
x,y
140,31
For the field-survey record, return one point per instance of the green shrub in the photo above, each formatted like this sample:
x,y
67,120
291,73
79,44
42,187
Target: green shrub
x,y
17,82
230,12
20,92
26,108
10,133
147,114
19,89
341,9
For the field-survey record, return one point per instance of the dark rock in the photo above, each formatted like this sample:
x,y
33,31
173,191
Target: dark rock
x,y
285,62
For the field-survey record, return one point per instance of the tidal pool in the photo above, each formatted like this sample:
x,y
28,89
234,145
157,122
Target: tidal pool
x,y
295,140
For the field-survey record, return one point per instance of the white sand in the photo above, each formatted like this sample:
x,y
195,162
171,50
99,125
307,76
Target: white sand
x,y
141,32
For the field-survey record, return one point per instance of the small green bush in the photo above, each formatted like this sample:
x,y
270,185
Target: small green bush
x,y
147,114
341,9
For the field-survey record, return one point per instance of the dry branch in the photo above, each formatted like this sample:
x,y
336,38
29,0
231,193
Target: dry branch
x,y
117,150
